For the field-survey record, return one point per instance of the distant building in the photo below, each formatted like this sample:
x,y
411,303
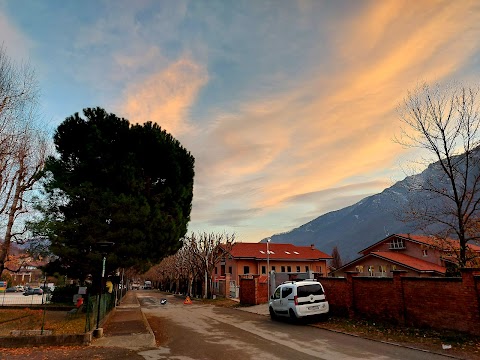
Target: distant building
x,y
245,259
417,255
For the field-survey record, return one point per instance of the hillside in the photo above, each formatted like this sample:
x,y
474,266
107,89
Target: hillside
x,y
357,226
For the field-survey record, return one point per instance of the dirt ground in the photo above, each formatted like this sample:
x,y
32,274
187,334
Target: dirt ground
x,y
69,353
59,322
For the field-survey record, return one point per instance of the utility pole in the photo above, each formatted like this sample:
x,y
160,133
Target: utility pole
x,y
268,271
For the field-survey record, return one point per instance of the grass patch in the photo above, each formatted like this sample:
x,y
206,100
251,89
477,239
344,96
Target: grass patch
x,y
28,319
427,339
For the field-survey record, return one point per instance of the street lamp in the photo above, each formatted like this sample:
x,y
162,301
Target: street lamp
x,y
268,271
103,246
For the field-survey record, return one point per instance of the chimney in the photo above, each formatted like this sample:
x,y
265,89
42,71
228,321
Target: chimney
x,y
312,246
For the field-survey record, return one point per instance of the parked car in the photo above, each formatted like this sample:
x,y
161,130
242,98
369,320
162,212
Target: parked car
x,y
11,289
34,291
298,299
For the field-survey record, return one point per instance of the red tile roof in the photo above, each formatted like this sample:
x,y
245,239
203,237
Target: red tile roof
x,y
437,242
424,239
409,261
277,251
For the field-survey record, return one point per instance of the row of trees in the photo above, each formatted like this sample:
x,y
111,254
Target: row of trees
x,y
193,263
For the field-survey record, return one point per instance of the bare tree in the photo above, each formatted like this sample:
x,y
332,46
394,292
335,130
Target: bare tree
x,y
192,262
23,149
336,261
444,123
205,247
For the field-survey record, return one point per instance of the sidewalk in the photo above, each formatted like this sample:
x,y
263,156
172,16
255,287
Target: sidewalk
x,y
261,309
127,327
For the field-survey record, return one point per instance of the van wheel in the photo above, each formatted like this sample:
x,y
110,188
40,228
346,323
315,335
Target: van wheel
x,y
273,316
292,314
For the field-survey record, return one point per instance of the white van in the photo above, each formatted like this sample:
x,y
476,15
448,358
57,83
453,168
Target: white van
x,y
298,299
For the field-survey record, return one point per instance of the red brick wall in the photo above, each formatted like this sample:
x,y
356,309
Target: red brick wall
x,y
252,291
375,297
338,295
437,303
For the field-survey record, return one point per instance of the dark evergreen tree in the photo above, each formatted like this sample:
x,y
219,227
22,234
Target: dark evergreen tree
x,y
114,182
336,261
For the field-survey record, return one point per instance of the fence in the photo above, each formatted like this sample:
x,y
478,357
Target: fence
x,y
82,319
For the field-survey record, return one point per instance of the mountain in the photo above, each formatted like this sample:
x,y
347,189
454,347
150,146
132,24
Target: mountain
x,y
358,226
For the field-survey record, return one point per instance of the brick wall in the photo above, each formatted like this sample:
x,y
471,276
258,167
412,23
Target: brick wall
x,y
252,291
437,303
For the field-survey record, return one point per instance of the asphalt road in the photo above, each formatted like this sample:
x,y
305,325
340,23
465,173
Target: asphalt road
x,y
200,331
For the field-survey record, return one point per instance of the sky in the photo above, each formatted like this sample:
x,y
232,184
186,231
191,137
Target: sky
x,y
290,108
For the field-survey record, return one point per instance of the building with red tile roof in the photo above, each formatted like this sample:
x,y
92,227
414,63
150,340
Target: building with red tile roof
x,y
254,259
417,255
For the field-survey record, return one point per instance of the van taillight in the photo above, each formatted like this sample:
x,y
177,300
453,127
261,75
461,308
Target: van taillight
x,y
295,298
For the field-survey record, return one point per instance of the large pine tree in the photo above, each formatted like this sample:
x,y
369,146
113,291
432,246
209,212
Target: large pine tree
x,y
115,182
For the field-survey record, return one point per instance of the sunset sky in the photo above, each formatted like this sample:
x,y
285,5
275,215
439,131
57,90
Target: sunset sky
x,y
289,107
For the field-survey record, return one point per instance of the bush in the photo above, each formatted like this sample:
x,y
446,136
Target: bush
x,y
64,294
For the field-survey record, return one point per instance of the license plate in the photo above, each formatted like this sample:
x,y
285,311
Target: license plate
x,y
313,307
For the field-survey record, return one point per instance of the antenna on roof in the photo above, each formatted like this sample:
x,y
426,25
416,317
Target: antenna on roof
x,y
387,233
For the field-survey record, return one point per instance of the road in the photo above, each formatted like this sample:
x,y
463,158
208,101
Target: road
x,y
200,331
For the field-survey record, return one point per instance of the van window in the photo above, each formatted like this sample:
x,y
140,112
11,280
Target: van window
x,y
286,291
311,289
276,295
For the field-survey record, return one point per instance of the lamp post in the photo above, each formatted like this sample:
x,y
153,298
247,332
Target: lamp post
x,y
104,246
268,271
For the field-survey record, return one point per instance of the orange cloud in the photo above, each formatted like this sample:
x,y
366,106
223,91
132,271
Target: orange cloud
x,y
165,97
344,130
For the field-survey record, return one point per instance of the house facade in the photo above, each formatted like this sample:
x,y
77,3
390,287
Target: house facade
x,y
416,255
249,259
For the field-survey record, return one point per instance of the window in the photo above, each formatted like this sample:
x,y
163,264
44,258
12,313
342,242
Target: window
x,y
298,268
382,268
273,268
229,269
359,268
246,269
264,269
397,244
276,294
283,268
394,267
306,268
307,290
425,252
371,270
289,269
286,291
216,271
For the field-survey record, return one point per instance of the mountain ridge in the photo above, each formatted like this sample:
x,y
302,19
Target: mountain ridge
x,y
360,225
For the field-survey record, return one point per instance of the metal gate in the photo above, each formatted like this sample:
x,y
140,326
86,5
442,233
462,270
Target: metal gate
x,y
233,289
